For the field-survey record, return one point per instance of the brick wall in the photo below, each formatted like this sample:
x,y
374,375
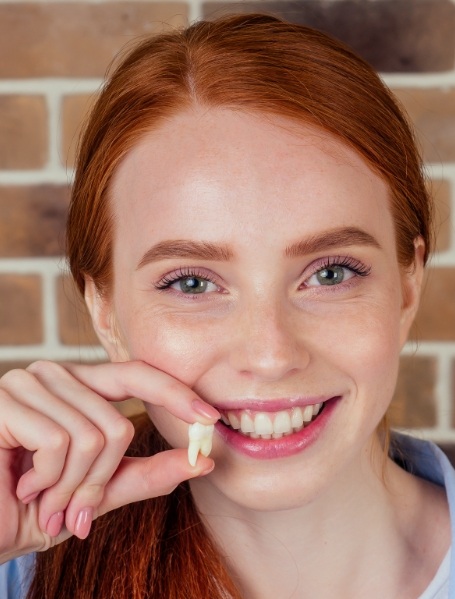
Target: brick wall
x,y
52,59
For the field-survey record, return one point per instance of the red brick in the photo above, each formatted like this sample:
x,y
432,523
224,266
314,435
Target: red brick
x,y
414,404
74,112
7,366
20,310
436,316
75,327
441,192
23,129
32,220
393,35
75,39
433,113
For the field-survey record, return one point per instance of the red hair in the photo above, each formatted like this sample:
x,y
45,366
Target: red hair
x,y
252,63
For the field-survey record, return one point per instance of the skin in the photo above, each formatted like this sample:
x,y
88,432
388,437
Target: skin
x,y
266,329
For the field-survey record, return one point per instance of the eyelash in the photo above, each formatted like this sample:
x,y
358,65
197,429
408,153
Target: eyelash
x,y
355,266
358,268
183,273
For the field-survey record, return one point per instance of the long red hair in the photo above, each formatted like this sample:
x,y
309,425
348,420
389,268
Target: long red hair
x,y
254,63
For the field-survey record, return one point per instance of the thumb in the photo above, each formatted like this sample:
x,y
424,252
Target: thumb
x,y
137,479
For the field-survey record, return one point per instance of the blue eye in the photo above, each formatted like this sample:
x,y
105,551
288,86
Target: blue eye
x,y
193,285
187,282
333,275
336,271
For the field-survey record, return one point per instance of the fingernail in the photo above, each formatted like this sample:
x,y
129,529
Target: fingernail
x,y
205,410
30,498
84,523
208,470
55,523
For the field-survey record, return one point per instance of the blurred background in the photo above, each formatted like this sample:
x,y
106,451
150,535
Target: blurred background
x,y
53,56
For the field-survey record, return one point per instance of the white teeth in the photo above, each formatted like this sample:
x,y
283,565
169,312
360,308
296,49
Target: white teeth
x,y
271,424
296,418
246,423
316,408
282,423
262,424
200,440
233,420
307,413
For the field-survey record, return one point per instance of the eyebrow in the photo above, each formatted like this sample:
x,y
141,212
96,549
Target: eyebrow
x,y
204,250
343,236
183,248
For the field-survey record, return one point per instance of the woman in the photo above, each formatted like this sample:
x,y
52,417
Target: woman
x,y
249,226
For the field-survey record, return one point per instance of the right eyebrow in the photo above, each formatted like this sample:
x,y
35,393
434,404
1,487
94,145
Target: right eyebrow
x,y
184,248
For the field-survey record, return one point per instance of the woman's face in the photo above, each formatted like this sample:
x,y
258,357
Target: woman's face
x,y
255,261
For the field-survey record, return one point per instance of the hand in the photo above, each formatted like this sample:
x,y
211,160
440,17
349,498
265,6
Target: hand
x,y
62,447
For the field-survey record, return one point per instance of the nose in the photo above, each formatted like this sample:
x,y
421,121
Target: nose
x,y
267,344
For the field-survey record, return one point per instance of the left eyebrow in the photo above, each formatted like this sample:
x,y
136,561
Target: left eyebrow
x,y
342,236
185,248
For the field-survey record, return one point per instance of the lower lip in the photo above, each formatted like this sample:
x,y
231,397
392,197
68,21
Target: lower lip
x,y
269,449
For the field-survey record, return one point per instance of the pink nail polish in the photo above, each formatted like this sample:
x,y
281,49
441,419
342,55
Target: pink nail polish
x,y
55,523
84,522
205,410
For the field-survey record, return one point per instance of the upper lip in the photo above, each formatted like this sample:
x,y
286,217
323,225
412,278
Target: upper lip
x,y
271,405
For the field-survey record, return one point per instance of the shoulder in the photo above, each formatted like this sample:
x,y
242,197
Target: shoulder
x,y
427,461
15,577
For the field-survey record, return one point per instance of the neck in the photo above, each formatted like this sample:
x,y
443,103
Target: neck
x,y
355,540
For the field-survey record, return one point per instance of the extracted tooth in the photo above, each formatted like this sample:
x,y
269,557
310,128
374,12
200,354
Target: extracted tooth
x,y
200,440
206,445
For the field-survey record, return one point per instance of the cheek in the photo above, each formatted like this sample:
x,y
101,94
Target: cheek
x,y
371,356
184,348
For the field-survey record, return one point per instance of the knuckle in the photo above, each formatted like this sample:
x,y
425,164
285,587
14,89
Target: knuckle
x,y
58,439
122,431
14,378
90,441
45,368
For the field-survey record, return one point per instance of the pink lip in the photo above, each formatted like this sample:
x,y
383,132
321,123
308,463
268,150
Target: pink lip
x,y
269,449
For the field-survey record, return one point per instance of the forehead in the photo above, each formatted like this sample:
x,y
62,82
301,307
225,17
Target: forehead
x,y
208,166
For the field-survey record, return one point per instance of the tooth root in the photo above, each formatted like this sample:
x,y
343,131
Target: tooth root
x,y
200,440
193,450
206,445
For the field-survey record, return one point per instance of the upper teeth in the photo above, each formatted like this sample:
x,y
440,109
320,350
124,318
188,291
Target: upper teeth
x,y
271,424
200,440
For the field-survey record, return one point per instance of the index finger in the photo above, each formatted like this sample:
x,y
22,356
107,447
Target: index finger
x,y
117,381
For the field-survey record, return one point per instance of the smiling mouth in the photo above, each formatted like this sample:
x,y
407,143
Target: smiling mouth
x,y
271,425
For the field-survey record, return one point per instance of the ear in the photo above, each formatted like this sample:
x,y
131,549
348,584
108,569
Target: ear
x,y
412,279
103,319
